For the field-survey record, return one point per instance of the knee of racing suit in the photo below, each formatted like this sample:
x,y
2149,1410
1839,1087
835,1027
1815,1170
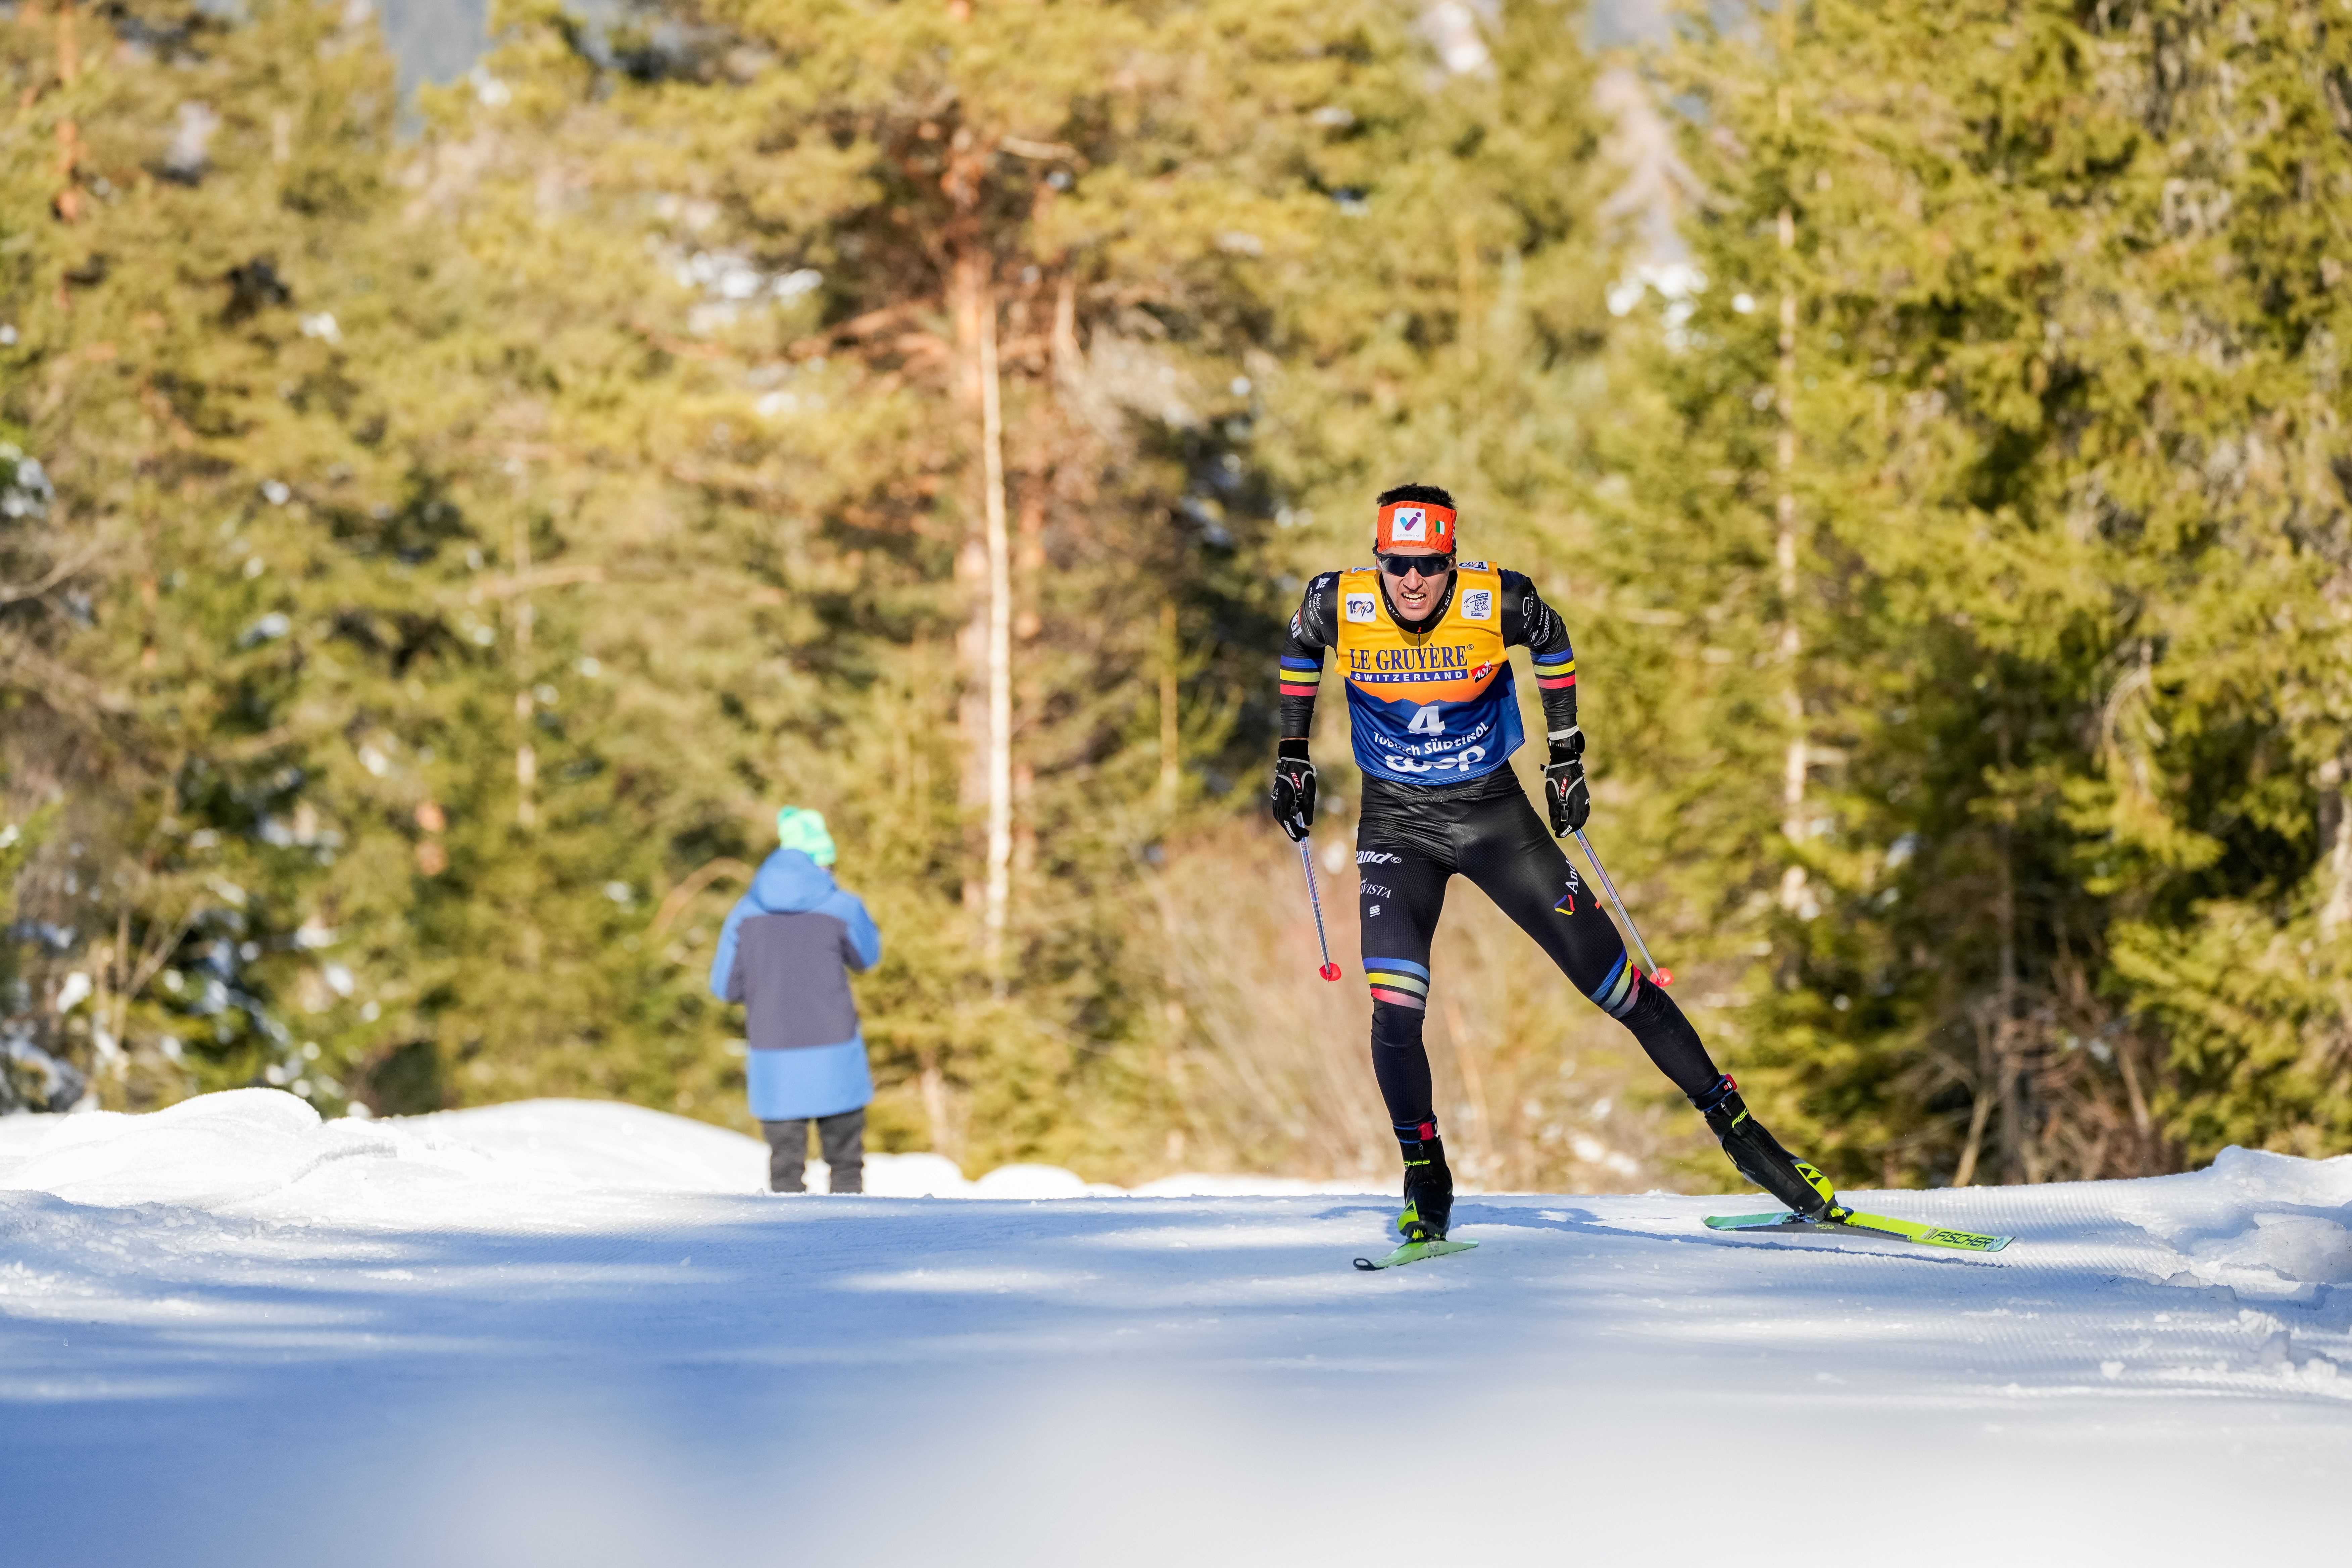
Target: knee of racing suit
x,y
1396,1026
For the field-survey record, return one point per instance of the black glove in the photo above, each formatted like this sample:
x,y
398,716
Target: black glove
x,y
1564,789
1293,789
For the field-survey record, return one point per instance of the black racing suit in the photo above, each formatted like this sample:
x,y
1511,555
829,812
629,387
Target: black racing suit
x,y
1411,839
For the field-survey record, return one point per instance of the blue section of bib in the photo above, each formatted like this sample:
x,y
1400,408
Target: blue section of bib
x,y
1459,741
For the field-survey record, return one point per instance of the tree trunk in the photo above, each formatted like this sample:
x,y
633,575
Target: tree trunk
x,y
1000,649
1988,1081
985,566
2014,1155
68,203
2335,846
1465,246
971,577
2021,1155
939,1113
526,759
1784,521
1170,734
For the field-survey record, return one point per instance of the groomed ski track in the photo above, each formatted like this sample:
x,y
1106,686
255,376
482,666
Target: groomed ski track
x,y
552,1334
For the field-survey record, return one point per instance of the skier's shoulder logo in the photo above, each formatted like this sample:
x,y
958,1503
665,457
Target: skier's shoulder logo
x,y
1360,607
1478,605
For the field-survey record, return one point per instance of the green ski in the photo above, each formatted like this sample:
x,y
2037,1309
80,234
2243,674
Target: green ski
x,y
1413,1252
1877,1224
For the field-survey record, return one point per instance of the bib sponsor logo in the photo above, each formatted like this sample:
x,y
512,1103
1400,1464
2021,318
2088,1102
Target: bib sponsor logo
x,y
1374,890
1434,662
1408,524
1361,609
1482,672
1478,605
1462,761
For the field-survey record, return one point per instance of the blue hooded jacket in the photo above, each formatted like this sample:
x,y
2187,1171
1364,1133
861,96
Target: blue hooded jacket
x,y
785,953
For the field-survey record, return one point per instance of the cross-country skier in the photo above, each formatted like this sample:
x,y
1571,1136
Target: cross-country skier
x,y
1422,644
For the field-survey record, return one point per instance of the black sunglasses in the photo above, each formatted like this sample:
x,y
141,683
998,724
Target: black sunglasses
x,y
1427,565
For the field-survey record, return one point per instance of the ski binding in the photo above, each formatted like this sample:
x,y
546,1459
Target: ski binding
x,y
1878,1223
1413,1252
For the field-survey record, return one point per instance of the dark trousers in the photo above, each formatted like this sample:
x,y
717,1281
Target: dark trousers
x,y
1409,843
843,1138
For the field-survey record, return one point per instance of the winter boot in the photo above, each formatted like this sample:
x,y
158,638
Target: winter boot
x,y
1758,1155
1428,1191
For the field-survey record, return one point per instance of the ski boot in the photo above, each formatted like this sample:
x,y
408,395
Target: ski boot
x,y
1758,1155
1428,1191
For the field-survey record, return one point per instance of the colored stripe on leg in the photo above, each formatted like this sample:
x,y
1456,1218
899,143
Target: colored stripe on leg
x,y
1615,991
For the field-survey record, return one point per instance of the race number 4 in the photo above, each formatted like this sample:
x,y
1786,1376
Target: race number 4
x,y
1428,721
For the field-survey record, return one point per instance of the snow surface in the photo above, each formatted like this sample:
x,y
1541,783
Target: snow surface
x,y
577,1334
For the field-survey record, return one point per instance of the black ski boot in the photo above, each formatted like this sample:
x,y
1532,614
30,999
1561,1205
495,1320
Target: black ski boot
x,y
1428,1191
1758,1155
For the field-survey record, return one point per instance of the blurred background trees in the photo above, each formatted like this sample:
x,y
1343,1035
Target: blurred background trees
x,y
2023,343
431,555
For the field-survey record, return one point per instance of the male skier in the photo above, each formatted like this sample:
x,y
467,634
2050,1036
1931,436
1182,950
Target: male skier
x,y
1422,649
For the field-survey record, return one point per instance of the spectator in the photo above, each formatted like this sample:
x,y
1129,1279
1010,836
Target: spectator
x,y
783,953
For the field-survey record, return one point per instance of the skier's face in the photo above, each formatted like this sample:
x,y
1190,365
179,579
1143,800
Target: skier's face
x,y
1414,594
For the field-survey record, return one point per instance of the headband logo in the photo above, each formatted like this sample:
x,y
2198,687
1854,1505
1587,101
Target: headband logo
x,y
1408,522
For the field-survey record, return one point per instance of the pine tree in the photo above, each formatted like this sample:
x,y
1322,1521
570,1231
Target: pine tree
x,y
2059,398
186,364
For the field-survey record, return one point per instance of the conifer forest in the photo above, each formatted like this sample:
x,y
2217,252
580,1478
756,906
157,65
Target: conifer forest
x,y
441,528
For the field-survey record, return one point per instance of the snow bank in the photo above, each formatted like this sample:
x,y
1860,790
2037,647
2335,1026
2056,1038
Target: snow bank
x,y
2265,1225
597,1143
211,1151
264,1146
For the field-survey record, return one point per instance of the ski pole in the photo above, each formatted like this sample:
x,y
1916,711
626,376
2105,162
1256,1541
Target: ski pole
x,y
1663,976
1329,971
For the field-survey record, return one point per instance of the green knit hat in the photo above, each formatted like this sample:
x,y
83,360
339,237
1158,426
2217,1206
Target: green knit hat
x,y
798,827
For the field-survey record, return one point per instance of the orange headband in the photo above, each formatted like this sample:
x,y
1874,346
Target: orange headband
x,y
1415,522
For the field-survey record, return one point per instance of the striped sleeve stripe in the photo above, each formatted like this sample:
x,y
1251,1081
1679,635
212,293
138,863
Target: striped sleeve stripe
x,y
1398,966
1549,659
1399,981
1292,662
1299,688
1555,682
1398,998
